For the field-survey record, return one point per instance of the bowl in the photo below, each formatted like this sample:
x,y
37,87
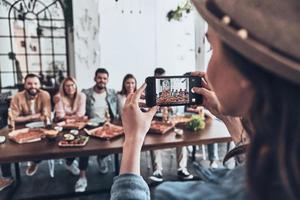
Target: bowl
x,y
51,134
74,132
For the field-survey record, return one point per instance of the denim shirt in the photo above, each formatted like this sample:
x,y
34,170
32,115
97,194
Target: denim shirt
x,y
231,185
111,100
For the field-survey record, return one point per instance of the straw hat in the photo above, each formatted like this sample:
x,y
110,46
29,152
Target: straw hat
x,y
266,32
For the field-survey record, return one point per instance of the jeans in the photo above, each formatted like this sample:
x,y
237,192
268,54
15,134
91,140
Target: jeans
x,y
6,170
83,162
213,151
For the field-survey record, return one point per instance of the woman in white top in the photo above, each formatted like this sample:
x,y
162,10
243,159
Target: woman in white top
x,y
128,87
70,103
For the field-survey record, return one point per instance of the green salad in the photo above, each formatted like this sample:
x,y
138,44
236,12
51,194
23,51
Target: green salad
x,y
197,123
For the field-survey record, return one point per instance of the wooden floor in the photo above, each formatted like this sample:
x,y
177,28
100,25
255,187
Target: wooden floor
x,y
63,182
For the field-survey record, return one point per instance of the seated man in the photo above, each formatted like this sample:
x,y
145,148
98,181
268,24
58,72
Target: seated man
x,y
101,105
31,104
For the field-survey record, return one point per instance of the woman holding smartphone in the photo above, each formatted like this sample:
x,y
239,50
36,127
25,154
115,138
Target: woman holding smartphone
x,y
250,75
70,104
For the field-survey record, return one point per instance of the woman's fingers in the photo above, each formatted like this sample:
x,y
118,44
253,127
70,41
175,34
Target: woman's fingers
x,y
151,112
202,91
203,75
129,98
138,93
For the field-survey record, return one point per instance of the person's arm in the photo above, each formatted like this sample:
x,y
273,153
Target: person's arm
x,y
46,104
81,105
129,184
28,118
59,108
136,124
14,105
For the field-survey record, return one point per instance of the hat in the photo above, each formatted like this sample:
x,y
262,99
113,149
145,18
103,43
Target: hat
x,y
267,32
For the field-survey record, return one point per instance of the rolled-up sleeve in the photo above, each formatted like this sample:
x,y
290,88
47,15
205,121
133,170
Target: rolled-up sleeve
x,y
129,186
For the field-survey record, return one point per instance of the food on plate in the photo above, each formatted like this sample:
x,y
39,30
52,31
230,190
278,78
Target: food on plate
x,y
108,130
73,123
69,137
197,123
79,140
26,135
51,134
160,127
181,119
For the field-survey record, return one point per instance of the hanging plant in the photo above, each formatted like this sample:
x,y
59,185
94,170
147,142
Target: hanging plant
x,y
178,12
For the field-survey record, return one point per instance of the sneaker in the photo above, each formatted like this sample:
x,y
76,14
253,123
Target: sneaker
x,y
156,176
214,164
31,169
81,185
5,182
184,174
103,165
73,169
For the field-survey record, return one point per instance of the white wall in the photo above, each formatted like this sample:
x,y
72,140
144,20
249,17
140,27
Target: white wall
x,y
86,20
136,37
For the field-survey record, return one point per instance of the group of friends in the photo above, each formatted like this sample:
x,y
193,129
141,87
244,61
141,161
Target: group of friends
x,y
97,103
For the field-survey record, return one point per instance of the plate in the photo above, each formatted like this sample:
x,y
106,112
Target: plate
x,y
26,135
2,139
81,139
107,131
160,127
38,124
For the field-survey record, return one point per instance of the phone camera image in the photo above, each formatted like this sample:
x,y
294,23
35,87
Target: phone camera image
x,y
172,91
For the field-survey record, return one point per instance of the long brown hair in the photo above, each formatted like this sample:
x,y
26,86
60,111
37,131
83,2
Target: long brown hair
x,y
273,164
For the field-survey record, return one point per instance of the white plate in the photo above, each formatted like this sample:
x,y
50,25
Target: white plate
x,y
2,139
35,125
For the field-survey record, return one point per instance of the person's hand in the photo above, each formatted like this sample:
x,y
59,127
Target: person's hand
x,y
135,122
210,100
36,116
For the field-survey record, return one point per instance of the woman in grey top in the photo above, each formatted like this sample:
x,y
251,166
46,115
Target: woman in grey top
x,y
254,73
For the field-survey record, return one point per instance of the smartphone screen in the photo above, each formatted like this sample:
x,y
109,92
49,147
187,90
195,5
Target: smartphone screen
x,y
172,90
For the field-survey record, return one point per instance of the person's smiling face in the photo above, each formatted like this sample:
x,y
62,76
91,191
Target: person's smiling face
x,y
32,86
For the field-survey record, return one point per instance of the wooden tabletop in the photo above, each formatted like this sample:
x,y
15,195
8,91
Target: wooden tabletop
x,y
10,151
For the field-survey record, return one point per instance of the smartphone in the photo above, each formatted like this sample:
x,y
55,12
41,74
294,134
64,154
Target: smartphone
x,y
172,90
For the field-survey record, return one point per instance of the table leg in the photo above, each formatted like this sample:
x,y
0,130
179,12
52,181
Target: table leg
x,y
17,171
194,153
117,164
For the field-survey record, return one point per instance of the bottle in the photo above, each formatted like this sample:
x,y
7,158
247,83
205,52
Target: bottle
x,y
46,119
165,114
107,115
10,120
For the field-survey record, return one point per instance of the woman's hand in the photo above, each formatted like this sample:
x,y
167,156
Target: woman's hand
x,y
135,122
210,100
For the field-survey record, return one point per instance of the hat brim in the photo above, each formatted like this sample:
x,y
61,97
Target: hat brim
x,y
250,48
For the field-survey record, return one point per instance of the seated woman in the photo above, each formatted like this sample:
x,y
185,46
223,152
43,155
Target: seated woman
x,y
70,104
128,87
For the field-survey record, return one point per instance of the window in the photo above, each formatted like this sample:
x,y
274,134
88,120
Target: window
x,y
33,38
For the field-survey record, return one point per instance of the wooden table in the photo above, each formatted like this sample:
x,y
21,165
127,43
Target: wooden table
x,y
43,150
11,152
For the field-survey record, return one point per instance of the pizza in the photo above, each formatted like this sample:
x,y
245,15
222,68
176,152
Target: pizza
x,y
181,119
108,130
160,127
26,135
